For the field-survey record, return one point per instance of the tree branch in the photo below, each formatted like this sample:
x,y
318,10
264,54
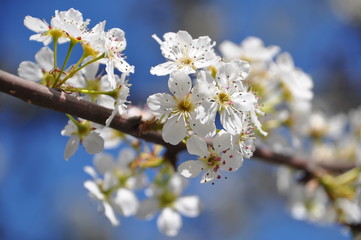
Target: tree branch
x,y
57,100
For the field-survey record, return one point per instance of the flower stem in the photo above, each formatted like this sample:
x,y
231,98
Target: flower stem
x,y
72,119
55,46
76,67
70,49
88,91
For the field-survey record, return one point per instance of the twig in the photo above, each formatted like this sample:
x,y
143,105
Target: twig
x,y
57,100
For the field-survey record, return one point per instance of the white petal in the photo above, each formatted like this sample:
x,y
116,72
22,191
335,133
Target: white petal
x,y
197,146
161,103
209,176
36,25
110,181
71,146
91,70
177,183
126,156
174,130
125,202
109,213
45,59
164,68
189,206
94,189
110,71
91,171
148,208
179,84
206,129
230,50
233,161
93,143
103,162
169,222
30,71
190,168
69,129
222,141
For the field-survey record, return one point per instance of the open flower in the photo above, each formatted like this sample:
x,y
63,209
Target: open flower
x,y
81,132
227,95
251,49
114,45
211,160
184,53
180,111
115,190
40,70
171,205
65,24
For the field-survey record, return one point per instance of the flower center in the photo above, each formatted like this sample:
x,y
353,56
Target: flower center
x,y
185,105
167,199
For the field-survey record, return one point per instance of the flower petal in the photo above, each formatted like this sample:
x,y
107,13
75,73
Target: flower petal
x,y
164,69
232,161
36,25
125,202
180,84
189,206
174,130
30,71
169,222
94,190
148,208
71,147
197,146
109,213
93,143
103,162
45,59
222,141
190,168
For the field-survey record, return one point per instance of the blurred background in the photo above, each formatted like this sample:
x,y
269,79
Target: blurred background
x,y
42,196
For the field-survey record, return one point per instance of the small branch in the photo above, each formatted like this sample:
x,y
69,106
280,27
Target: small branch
x,y
57,100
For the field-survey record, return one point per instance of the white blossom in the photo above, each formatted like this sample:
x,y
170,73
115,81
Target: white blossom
x,y
227,95
38,71
81,133
251,49
180,111
211,159
168,200
184,53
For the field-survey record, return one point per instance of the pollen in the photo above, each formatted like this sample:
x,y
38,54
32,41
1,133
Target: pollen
x,y
186,104
224,98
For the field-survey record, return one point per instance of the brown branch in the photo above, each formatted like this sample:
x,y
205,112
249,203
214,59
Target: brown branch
x,y
57,100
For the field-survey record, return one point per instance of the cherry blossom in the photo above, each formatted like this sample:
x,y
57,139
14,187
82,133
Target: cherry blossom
x,y
81,132
168,200
184,53
211,159
40,70
180,111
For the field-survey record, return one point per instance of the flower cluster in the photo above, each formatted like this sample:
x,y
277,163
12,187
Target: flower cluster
x,y
81,79
189,113
285,91
213,107
327,198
